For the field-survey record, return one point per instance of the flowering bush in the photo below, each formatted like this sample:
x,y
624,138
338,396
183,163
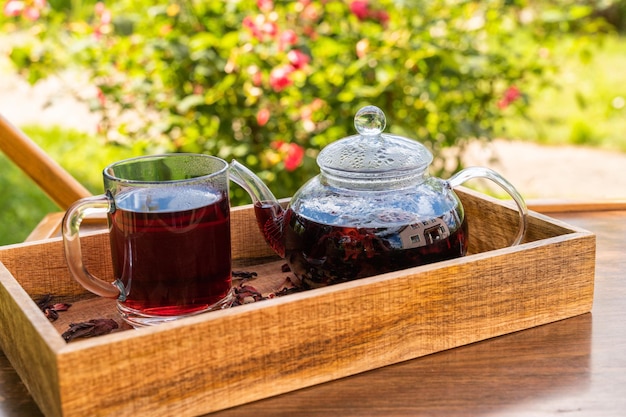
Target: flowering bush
x,y
271,83
28,10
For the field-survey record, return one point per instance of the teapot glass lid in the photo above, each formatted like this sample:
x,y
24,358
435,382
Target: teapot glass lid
x,y
372,152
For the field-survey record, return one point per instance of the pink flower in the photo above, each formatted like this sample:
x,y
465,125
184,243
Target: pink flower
x,y
102,25
317,104
279,77
293,154
311,12
99,8
260,27
306,111
13,8
265,5
270,29
31,13
287,37
105,17
360,9
101,97
510,95
262,117
310,31
29,10
250,24
382,16
298,59
255,74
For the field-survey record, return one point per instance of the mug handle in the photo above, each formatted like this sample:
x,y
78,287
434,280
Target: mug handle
x,y
71,243
482,172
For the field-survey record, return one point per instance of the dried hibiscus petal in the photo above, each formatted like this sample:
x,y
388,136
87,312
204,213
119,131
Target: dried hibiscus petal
x,y
50,313
44,301
288,287
91,328
246,294
244,274
51,310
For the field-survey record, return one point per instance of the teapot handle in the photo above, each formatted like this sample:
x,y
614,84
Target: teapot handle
x,y
481,172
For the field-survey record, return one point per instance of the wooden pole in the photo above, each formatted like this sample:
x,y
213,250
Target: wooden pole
x,y
56,182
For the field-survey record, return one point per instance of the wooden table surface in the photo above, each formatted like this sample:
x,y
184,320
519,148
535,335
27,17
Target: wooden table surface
x,y
572,367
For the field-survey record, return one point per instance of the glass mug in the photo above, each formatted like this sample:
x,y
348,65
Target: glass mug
x,y
169,229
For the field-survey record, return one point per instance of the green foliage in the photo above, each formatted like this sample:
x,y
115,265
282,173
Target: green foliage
x,y
587,105
582,133
613,12
272,83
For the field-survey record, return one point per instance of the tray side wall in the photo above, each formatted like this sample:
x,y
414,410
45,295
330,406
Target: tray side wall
x,y
493,223
330,333
41,269
23,338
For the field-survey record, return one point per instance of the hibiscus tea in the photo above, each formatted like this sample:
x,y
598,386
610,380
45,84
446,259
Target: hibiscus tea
x,y
324,254
171,250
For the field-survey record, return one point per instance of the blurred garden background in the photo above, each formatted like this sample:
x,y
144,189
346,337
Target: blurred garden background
x,y
272,82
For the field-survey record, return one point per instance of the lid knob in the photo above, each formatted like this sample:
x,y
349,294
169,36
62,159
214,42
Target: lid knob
x,y
370,121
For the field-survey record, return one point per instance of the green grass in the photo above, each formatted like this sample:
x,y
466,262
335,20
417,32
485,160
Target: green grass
x,y
588,106
23,204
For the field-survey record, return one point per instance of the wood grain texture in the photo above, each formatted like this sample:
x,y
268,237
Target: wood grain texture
x,y
519,374
49,226
218,360
30,343
576,206
572,367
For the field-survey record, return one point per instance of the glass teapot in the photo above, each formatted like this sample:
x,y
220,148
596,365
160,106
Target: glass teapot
x,y
372,209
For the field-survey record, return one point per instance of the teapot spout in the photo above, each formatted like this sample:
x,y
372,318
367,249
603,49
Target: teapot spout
x,y
268,211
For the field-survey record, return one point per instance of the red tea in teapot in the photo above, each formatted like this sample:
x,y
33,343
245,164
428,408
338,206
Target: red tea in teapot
x,y
322,254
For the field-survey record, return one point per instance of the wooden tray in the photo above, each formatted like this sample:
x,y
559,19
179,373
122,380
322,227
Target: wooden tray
x,y
221,359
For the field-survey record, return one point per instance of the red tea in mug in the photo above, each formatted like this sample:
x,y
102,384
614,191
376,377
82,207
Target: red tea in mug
x,y
170,249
